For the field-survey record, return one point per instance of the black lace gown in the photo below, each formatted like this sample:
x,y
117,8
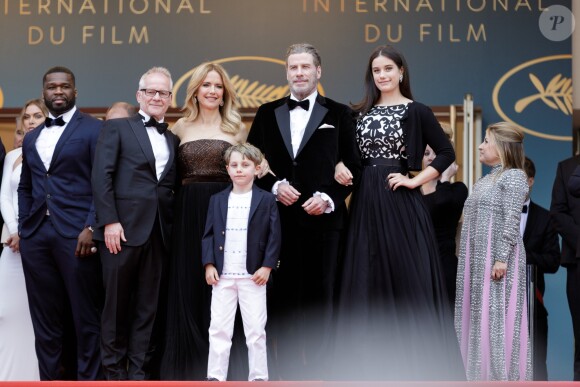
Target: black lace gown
x,y
393,322
202,171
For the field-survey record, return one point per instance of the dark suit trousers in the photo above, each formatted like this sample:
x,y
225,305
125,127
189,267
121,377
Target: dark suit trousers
x,y
132,281
55,281
573,293
540,341
303,301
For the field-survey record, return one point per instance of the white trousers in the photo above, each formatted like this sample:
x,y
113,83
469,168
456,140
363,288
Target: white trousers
x,y
225,297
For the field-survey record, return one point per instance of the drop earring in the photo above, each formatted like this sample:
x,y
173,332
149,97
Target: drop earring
x,y
194,99
400,78
222,103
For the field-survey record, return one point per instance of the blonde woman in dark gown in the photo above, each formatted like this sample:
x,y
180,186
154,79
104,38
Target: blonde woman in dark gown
x,y
210,125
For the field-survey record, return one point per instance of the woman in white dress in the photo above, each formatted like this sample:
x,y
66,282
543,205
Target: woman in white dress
x,y
17,353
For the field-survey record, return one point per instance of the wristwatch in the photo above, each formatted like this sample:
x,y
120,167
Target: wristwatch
x,y
90,228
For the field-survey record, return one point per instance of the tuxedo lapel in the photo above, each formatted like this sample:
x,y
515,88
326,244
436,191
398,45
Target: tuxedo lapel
x,y
282,113
141,133
68,131
33,155
171,144
318,114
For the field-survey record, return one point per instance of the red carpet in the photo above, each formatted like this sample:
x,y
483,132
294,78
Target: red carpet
x,y
287,384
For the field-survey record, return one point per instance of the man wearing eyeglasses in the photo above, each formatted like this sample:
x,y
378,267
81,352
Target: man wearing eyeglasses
x,y
133,186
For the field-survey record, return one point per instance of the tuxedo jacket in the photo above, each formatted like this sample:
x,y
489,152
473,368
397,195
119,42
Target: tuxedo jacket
x,y
65,189
329,137
541,243
264,233
125,184
565,211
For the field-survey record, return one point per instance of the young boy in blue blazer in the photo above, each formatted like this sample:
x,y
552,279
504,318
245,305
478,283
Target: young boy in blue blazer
x,y
240,247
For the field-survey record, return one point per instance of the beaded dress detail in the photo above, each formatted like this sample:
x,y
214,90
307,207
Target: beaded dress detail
x,y
202,160
491,316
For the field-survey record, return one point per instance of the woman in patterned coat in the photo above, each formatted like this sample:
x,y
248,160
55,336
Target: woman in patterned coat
x,y
490,308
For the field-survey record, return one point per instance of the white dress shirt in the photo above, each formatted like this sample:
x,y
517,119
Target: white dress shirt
x,y
49,136
299,119
159,145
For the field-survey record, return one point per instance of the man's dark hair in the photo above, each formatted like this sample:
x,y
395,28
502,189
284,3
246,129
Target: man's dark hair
x,y
59,69
529,167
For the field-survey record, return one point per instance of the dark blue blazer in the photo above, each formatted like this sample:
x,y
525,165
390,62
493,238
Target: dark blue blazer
x,y
264,232
65,189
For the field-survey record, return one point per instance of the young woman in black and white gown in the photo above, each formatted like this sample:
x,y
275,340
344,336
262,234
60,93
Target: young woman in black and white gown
x,y
393,320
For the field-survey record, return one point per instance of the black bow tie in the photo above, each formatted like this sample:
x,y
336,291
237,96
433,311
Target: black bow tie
x,y
54,121
525,209
304,104
161,126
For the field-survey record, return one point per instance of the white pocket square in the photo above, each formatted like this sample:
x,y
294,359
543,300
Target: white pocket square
x,y
326,126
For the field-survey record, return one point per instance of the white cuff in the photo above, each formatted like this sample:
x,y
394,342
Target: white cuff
x,y
327,199
275,187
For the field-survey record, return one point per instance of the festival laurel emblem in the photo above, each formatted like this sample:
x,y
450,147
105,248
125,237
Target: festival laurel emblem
x,y
254,94
557,94
539,84
256,79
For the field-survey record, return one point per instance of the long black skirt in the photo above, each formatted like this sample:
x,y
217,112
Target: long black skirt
x,y
393,319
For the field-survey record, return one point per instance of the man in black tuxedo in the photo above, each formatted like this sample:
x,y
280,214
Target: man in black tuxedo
x,y
133,186
56,217
303,136
542,251
565,215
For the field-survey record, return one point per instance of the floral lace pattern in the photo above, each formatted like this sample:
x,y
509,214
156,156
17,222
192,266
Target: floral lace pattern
x,y
379,133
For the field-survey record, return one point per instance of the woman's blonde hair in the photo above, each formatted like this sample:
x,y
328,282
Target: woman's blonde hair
x,y
509,143
231,119
38,102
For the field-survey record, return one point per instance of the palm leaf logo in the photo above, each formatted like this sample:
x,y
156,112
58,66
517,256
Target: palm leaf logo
x,y
254,94
557,94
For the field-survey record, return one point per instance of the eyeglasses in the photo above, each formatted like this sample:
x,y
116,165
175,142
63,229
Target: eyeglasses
x,y
152,92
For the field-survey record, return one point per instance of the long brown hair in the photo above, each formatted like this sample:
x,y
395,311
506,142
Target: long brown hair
x,y
372,94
